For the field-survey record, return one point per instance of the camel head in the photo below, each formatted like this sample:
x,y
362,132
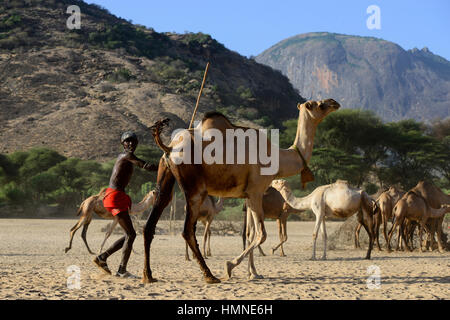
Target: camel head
x,y
151,196
317,110
280,185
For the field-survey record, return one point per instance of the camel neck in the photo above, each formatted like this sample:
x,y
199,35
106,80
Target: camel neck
x,y
291,163
304,138
301,203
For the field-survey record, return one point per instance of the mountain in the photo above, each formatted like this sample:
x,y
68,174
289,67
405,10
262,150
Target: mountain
x,y
76,91
366,73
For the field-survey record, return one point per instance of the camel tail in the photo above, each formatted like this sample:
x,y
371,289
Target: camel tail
x,y
79,211
156,132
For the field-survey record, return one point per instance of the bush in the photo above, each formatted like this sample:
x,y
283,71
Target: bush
x,y
121,75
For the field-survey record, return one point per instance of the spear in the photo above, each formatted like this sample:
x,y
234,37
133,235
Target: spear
x,y
199,94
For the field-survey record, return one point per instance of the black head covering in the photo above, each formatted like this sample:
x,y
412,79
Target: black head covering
x,y
128,135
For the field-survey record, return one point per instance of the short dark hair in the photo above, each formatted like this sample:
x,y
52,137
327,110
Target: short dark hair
x,y
127,135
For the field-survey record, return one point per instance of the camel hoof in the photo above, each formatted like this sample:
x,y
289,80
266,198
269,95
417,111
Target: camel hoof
x,y
255,277
313,259
148,279
228,269
324,258
211,279
282,255
66,249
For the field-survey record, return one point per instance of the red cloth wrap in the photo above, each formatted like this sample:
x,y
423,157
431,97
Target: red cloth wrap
x,y
116,201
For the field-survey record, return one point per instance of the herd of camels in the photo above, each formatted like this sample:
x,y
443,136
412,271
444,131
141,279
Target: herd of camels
x,y
268,196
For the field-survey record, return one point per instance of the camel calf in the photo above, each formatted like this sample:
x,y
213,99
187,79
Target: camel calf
x,y
208,210
386,202
414,207
95,204
274,207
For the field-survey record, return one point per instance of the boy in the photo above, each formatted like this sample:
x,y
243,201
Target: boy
x,y
118,202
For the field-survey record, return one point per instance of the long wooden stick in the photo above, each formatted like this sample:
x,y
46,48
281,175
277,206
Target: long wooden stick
x,y
199,94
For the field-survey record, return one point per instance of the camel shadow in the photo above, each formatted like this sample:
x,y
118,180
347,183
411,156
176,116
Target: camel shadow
x,y
332,280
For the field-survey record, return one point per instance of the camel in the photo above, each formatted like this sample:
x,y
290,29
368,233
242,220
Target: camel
x,y
275,207
338,199
95,204
386,202
224,179
208,210
414,207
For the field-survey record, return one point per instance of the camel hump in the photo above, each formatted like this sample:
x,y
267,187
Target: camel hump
x,y
215,115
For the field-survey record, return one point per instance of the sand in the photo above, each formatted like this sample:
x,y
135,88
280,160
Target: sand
x,y
33,265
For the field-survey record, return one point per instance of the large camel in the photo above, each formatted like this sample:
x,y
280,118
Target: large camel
x,y
224,179
386,202
414,207
94,204
274,207
338,199
208,210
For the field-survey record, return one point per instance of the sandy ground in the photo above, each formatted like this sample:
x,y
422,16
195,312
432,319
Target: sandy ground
x,y
33,266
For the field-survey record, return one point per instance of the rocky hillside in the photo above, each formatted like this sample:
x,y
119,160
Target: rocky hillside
x,y
365,72
75,91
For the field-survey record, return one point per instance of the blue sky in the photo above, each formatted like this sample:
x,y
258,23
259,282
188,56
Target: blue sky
x,y
249,27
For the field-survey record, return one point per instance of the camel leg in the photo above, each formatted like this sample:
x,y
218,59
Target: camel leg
x,y
255,204
385,222
108,233
282,235
83,235
377,224
186,256
193,202
73,231
439,234
208,251
365,217
251,269
394,226
205,239
319,217
357,230
324,236
165,183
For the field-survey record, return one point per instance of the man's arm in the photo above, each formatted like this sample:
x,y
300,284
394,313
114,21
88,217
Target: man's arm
x,y
141,163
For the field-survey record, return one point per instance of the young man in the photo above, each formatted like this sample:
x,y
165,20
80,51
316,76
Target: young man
x,y
118,202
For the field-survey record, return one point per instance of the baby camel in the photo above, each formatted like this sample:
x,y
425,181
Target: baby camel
x,y
413,207
337,199
386,202
208,210
275,207
95,204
